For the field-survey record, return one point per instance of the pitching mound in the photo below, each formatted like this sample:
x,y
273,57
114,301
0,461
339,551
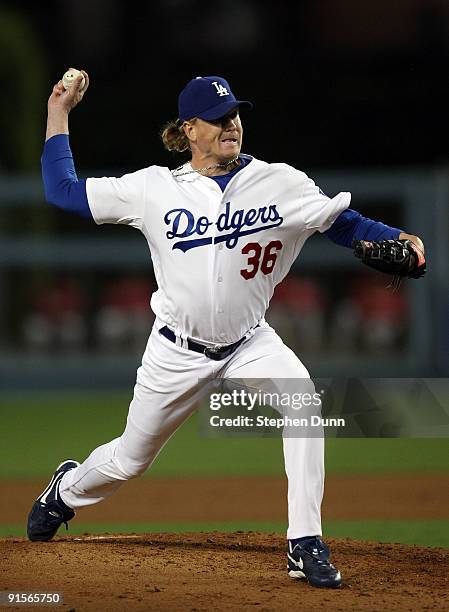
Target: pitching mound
x,y
220,571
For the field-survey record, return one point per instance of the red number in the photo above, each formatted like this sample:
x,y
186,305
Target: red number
x,y
268,259
253,260
270,256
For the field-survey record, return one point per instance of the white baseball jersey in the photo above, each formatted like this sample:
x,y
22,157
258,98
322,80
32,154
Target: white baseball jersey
x,y
217,256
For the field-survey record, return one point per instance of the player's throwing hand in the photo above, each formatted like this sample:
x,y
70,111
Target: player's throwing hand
x,y
66,99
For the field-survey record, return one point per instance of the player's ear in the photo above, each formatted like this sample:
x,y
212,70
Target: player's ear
x,y
190,130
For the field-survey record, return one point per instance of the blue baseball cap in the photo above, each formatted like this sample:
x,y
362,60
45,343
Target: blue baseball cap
x,y
208,98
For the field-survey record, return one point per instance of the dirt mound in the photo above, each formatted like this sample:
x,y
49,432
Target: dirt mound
x,y
220,571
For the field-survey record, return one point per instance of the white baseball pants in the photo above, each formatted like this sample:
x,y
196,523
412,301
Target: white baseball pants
x,y
167,392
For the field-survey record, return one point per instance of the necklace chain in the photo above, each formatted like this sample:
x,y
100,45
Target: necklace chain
x,y
199,170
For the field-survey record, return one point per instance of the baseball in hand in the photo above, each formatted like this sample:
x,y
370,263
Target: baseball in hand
x,y
70,76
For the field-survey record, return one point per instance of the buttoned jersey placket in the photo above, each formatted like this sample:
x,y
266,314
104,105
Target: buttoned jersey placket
x,y
216,261
214,193
223,290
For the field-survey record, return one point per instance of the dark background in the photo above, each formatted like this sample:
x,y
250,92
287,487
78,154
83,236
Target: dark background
x,y
334,83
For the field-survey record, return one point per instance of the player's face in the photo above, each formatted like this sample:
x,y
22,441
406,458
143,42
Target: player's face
x,y
216,141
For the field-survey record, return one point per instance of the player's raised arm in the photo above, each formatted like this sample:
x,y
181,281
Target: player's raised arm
x,y
61,185
105,200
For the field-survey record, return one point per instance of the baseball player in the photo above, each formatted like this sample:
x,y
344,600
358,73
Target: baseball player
x,y
223,230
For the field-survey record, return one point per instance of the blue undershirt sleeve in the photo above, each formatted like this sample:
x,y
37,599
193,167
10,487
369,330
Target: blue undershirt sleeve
x,y
61,185
351,225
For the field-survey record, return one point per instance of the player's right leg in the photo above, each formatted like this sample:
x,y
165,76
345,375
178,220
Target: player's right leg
x,y
166,393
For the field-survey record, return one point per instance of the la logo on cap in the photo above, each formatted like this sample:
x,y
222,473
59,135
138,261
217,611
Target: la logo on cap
x,y
207,98
221,90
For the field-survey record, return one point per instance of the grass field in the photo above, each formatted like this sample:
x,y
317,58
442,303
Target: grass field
x,y
420,533
40,430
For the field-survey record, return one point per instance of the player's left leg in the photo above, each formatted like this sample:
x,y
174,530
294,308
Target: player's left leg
x,y
266,362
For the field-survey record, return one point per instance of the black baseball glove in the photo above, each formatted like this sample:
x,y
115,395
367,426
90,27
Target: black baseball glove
x,y
401,258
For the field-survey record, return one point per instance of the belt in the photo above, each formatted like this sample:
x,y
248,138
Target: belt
x,y
217,352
